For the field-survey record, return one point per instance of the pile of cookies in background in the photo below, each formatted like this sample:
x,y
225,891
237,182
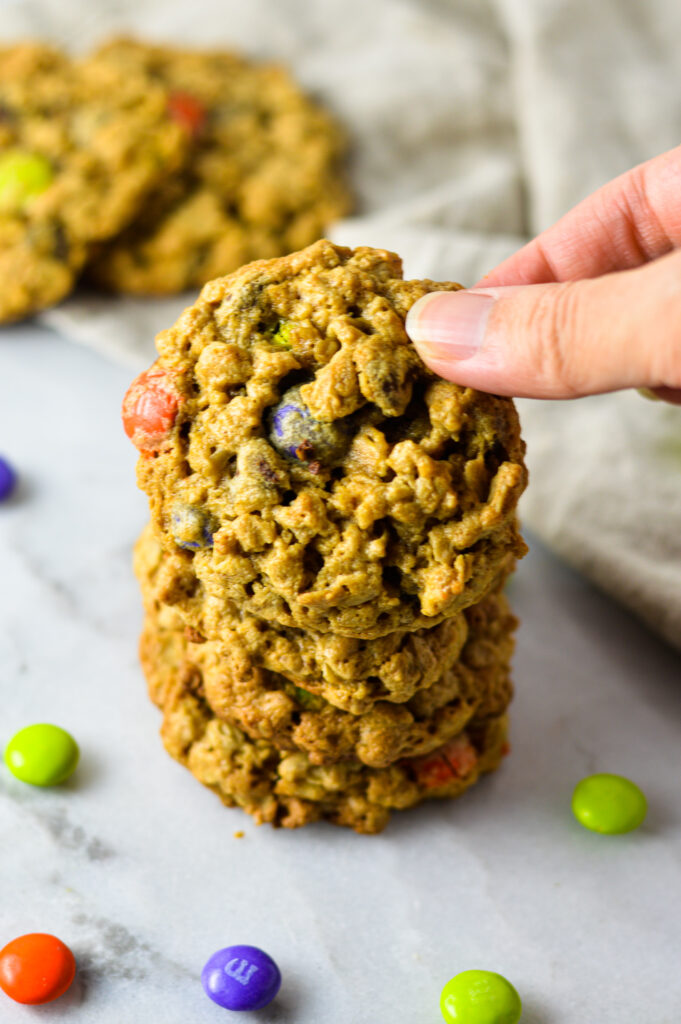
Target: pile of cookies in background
x,y
150,170
331,531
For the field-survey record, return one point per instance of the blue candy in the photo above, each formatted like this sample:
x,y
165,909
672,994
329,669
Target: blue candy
x,y
191,527
295,432
241,978
8,479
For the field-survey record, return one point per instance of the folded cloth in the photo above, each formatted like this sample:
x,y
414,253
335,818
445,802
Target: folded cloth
x,y
475,124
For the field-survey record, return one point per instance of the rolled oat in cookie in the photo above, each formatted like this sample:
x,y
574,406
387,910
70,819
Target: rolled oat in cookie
x,y
307,469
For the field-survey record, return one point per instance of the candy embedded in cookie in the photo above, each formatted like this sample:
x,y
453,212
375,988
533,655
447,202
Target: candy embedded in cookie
x,y
23,175
149,409
350,490
191,528
296,433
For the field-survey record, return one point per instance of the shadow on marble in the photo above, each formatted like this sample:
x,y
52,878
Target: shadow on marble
x,y
535,1012
24,490
88,773
285,1009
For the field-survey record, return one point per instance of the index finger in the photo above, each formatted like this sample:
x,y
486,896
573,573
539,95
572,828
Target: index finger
x,y
633,219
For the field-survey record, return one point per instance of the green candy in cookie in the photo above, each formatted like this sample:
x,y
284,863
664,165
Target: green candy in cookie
x,y
23,176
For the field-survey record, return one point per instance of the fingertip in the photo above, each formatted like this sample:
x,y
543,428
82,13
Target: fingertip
x,y
448,326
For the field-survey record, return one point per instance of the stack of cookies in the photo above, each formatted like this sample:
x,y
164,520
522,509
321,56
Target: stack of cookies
x,y
150,170
331,529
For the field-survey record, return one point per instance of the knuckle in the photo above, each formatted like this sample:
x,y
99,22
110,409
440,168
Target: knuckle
x,y
555,327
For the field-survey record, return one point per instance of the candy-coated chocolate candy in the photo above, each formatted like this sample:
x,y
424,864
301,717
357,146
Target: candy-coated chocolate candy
x,y
187,111
8,479
282,336
43,755
296,433
149,409
453,761
307,701
191,527
36,968
23,175
609,803
480,997
241,978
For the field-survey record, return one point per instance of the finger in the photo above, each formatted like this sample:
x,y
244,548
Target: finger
x,y
630,221
558,340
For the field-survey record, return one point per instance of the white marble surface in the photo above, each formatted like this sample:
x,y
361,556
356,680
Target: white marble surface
x,y
137,868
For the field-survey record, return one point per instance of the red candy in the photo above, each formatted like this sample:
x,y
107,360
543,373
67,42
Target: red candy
x,y
453,761
149,409
186,109
36,968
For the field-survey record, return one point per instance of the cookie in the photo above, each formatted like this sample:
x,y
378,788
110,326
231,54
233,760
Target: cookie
x,y
81,146
308,467
265,705
350,673
286,789
264,177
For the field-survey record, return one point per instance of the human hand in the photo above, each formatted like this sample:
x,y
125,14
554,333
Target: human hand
x,y
591,305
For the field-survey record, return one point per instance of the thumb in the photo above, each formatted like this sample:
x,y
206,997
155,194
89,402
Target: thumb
x,y
558,340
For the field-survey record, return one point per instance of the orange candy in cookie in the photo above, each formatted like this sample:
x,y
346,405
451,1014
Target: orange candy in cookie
x,y
36,968
187,111
453,761
149,409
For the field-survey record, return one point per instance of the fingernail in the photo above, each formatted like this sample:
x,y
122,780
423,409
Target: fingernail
x,y
445,326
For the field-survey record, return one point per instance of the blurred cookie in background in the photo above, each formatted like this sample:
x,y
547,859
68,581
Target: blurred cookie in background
x,y
82,145
264,177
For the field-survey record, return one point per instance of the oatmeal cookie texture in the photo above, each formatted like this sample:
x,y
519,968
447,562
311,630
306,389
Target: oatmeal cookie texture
x,y
264,177
312,472
81,148
331,528
473,682
285,787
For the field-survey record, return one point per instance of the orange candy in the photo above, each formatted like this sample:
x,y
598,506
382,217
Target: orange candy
x,y
36,968
186,109
453,761
149,409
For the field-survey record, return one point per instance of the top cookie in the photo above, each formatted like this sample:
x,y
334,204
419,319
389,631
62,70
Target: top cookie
x,y
310,467
81,145
263,178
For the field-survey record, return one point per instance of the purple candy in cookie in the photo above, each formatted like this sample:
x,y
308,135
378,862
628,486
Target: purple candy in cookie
x,y
241,978
8,479
295,432
191,527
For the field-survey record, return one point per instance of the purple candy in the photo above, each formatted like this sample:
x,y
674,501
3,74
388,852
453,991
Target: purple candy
x,y
241,978
8,479
295,432
280,423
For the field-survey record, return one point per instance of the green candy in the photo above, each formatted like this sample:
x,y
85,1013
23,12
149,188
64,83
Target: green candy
x,y
609,804
480,997
42,755
282,336
22,176
307,701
